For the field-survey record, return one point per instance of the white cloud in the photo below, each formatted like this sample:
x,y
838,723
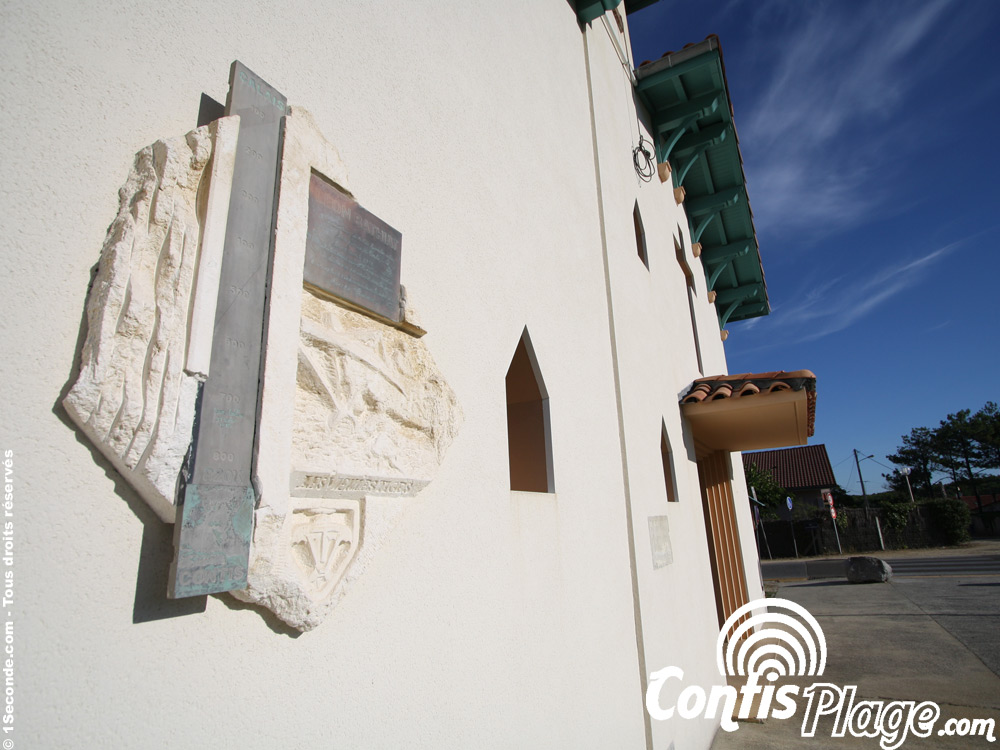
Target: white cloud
x,y
837,303
820,131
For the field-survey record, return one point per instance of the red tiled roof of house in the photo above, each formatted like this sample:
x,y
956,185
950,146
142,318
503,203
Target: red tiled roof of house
x,y
796,468
987,501
750,384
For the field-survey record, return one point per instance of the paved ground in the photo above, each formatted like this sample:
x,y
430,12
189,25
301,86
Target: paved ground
x,y
945,566
919,639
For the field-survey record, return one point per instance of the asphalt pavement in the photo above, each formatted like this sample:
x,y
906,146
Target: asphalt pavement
x,y
981,557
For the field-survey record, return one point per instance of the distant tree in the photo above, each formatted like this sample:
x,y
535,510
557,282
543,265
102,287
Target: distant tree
x,y
896,482
840,495
959,452
965,446
843,499
986,430
919,454
769,492
891,497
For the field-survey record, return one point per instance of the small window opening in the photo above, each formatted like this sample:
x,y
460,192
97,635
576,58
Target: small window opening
x,y
668,465
529,443
691,292
640,236
618,20
682,259
694,328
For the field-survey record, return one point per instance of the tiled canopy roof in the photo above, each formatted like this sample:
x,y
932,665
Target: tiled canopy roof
x,y
750,384
796,468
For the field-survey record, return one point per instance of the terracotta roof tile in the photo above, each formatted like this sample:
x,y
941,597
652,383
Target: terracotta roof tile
x,y
807,467
749,384
723,390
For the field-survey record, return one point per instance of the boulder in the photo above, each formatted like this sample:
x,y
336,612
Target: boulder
x,y
868,570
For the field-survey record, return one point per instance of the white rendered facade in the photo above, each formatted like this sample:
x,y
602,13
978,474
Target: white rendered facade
x,y
498,140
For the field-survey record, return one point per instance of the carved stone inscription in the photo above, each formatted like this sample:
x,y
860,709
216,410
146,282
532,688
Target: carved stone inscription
x,y
350,252
312,484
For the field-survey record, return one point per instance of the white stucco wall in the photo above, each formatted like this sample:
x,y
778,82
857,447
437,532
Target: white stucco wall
x,y
657,362
491,618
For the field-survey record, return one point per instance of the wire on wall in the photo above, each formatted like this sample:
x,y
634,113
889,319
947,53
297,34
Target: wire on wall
x,y
642,159
642,155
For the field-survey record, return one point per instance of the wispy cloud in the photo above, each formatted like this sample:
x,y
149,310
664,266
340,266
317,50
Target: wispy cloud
x,y
818,132
939,326
840,305
837,303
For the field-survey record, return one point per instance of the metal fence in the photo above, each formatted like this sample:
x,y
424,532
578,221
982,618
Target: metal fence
x,y
859,529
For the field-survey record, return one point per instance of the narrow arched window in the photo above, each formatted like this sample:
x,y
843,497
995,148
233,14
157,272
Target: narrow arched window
x,y
640,236
668,465
689,278
529,441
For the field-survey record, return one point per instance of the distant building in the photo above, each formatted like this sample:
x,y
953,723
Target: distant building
x,y
804,472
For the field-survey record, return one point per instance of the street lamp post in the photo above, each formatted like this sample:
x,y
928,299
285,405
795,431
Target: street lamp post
x,y
906,473
858,464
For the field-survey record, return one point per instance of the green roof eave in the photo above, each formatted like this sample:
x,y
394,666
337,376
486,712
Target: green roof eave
x,y
687,96
588,10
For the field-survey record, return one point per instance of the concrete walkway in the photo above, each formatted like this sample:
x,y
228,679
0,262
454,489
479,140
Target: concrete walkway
x,y
918,639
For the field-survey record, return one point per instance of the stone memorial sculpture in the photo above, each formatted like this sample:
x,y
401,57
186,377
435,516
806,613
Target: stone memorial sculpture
x,y
354,416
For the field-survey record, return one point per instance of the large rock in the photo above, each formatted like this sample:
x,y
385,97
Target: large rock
x,y
868,570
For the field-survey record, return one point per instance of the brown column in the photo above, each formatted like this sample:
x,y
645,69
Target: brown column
x,y
723,537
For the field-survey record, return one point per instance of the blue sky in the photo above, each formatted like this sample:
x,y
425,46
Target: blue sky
x,y
869,138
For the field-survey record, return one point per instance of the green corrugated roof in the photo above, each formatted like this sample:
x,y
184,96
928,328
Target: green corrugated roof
x,y
688,98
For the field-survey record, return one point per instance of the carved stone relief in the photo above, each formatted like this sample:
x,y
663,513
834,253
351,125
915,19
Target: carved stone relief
x,y
135,394
353,410
355,417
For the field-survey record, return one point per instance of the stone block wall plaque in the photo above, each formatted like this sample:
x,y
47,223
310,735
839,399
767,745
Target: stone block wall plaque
x,y
659,541
351,253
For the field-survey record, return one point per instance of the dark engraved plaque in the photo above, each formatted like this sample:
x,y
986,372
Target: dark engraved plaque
x,y
213,538
351,253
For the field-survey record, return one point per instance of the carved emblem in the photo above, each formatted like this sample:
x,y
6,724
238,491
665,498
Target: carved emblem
x,y
324,542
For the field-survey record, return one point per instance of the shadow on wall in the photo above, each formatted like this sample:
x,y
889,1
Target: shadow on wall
x,y
157,549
